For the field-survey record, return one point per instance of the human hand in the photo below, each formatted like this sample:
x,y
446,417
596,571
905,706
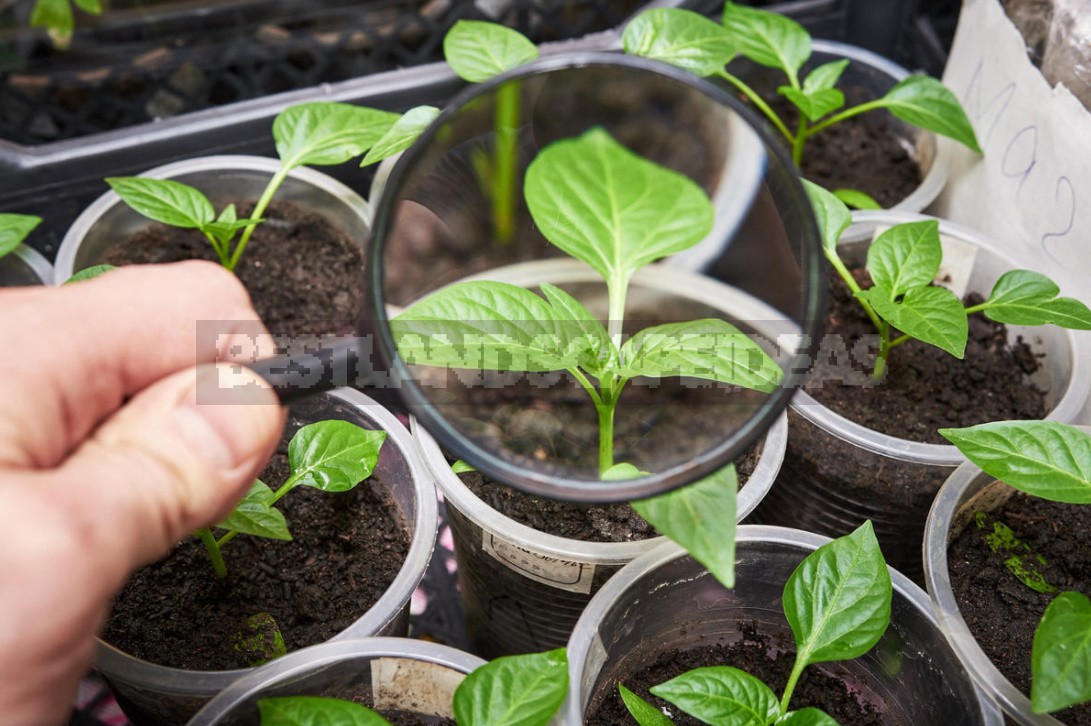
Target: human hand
x,y
106,458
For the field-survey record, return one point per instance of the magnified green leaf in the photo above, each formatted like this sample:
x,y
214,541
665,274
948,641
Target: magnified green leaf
x,y
333,456
621,472
925,102
721,695
807,717
825,76
645,713
1023,297
682,38
325,133
461,467
905,256
256,515
316,711
815,104
89,272
856,199
838,599
768,38
701,518
832,215
164,200
14,228
517,690
56,16
401,135
1061,655
930,314
478,50
1043,458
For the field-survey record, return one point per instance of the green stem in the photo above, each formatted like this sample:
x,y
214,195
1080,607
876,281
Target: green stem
x,y
797,142
214,553
903,338
618,289
582,380
845,275
797,671
221,250
884,352
606,432
977,308
259,209
847,113
760,104
504,158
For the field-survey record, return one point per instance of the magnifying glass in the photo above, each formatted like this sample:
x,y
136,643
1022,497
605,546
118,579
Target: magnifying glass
x,y
594,278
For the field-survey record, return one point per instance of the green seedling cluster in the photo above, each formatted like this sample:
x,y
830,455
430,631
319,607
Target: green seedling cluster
x,y
333,456
902,302
1052,461
837,602
704,47
309,134
518,690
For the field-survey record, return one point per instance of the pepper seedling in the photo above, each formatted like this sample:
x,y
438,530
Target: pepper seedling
x,y
477,50
333,456
14,228
687,39
837,602
1053,461
517,690
308,134
57,18
903,262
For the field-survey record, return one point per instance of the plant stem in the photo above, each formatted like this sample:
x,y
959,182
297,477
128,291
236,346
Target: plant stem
x,y
797,670
214,553
760,104
846,114
606,435
618,289
977,308
505,151
797,142
259,209
221,250
884,352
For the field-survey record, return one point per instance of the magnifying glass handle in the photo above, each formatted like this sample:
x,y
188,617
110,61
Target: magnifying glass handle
x,y
295,377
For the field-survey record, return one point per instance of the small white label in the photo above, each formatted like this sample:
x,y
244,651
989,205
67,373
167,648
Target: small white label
x,y
414,686
561,574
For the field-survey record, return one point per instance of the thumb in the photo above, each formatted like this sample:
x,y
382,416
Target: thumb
x,y
167,463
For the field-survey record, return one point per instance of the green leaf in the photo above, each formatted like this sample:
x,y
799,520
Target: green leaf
x,y
721,695
585,333
809,716
225,226
645,713
622,471
815,104
256,515
478,50
856,198
485,325
682,38
323,133
768,38
461,467
1043,458
1061,655
88,273
90,6
825,76
701,518
516,690
164,200
401,135
838,599
14,228
333,456
56,15
1023,297
710,348
832,215
925,102
930,314
905,256
614,210
316,711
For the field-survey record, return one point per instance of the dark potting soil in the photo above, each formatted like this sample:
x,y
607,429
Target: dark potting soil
x,y
586,522
751,654
1001,611
305,276
347,549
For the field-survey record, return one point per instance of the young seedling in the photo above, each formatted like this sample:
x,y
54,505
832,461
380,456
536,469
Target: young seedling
x,y
903,262
691,41
1052,461
477,50
590,197
837,602
518,690
333,456
14,228
309,134
57,18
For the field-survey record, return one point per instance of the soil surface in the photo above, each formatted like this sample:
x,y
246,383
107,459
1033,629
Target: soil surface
x,y
305,276
347,549
1001,611
751,654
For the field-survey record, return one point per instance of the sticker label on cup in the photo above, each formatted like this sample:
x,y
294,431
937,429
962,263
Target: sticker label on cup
x,y
402,684
561,574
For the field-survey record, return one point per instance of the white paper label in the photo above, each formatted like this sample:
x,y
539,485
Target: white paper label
x,y
561,574
414,686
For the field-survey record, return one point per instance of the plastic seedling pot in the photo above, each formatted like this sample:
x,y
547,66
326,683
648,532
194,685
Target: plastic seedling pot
x,y
665,600
523,589
905,475
967,491
414,677
108,220
156,694
25,266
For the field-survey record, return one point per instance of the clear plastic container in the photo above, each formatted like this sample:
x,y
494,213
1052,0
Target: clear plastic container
x,y
390,674
155,694
665,600
25,266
